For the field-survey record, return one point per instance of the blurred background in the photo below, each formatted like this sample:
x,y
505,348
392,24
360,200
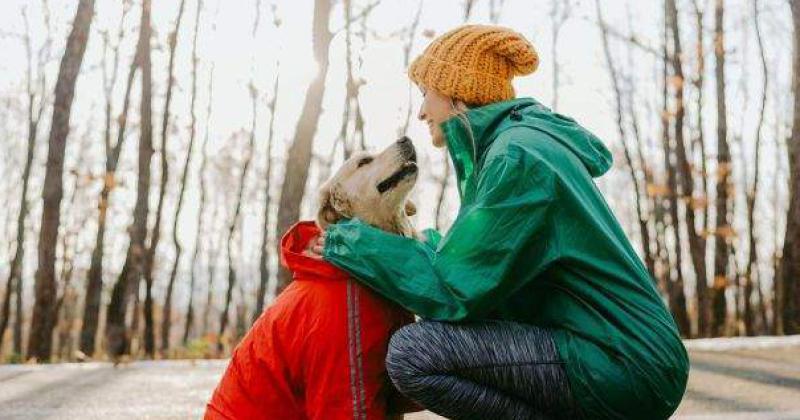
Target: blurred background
x,y
152,155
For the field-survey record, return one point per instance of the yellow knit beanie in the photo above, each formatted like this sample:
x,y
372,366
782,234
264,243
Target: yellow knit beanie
x,y
475,63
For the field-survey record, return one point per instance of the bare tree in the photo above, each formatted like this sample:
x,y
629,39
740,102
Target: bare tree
x,y
351,112
669,166
201,220
165,321
94,283
653,193
723,231
129,279
697,244
752,193
700,202
155,235
35,88
298,156
623,136
43,321
677,298
248,157
264,257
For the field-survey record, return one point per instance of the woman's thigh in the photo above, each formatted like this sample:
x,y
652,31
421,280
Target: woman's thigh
x,y
479,369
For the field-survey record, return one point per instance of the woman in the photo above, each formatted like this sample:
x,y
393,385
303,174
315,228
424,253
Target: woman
x,y
534,304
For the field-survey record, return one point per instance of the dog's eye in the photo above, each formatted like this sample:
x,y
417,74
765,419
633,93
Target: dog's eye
x,y
364,161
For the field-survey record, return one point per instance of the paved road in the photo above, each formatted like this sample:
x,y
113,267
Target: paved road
x,y
732,384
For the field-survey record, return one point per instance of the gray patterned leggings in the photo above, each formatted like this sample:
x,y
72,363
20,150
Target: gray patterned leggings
x,y
486,370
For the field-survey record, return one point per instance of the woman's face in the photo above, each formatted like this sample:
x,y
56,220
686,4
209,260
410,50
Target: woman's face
x,y
436,109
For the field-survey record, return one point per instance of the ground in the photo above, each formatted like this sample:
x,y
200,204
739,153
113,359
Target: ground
x,y
728,380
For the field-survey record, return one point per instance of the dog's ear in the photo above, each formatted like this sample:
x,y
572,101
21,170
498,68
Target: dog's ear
x,y
326,214
332,207
411,208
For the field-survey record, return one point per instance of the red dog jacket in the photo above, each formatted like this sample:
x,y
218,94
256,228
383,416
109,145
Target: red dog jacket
x,y
317,352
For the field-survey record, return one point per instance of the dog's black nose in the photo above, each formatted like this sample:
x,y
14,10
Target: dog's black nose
x,y
407,147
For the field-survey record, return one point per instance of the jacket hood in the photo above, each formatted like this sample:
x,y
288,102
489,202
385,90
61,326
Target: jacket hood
x,y
488,120
303,267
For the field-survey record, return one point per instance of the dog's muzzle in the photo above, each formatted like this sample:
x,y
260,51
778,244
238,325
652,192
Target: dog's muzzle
x,y
408,168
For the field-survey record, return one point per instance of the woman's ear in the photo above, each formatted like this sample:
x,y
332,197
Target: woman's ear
x,y
411,208
458,105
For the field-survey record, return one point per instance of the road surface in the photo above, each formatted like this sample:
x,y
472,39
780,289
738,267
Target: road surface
x,y
737,383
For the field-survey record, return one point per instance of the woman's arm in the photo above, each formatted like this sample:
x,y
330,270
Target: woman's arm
x,y
495,245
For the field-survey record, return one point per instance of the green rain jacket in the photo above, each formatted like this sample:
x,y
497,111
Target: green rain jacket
x,y
534,242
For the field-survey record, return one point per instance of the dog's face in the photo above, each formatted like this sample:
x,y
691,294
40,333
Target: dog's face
x,y
372,187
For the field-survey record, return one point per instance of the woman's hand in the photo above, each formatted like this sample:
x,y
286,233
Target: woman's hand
x,y
316,246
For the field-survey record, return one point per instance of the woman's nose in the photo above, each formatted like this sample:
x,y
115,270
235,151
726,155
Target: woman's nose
x,y
421,114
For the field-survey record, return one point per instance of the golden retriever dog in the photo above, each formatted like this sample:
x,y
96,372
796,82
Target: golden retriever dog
x,y
318,351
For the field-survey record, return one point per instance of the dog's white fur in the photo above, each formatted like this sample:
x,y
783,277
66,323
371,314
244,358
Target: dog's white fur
x,y
353,190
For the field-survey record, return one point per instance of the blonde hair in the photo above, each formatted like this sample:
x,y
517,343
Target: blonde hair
x,y
462,116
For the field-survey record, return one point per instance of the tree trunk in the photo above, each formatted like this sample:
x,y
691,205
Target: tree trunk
x,y
298,157
723,230
135,259
41,334
790,263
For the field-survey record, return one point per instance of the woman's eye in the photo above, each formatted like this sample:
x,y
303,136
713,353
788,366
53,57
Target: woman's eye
x,y
364,161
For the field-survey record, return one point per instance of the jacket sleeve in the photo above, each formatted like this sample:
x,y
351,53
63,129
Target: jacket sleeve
x,y
432,237
496,244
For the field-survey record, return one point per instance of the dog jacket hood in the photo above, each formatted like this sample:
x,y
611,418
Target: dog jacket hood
x,y
303,267
535,242
317,352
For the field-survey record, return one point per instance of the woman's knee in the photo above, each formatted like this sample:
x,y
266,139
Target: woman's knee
x,y
408,358
399,354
